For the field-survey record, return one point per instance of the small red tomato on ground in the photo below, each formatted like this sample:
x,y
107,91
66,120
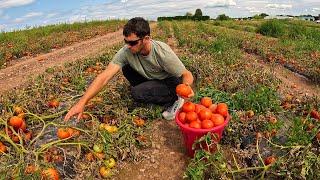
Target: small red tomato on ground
x,y
15,122
63,133
269,160
53,103
51,174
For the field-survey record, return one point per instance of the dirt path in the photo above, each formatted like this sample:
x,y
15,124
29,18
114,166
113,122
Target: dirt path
x,y
291,82
18,74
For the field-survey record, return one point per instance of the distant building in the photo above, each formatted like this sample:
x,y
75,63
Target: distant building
x,y
307,18
278,17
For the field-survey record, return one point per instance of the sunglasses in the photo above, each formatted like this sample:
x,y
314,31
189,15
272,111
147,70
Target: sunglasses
x,y
132,43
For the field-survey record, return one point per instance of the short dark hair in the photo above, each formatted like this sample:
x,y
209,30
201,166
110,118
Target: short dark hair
x,y
138,26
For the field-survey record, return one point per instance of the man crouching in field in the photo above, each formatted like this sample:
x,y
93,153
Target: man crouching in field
x,y
151,67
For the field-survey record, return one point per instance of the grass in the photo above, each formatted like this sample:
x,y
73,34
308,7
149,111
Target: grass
x,y
38,40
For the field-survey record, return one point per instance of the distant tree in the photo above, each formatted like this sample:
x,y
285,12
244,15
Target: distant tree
x,y
263,15
189,14
260,16
198,12
223,17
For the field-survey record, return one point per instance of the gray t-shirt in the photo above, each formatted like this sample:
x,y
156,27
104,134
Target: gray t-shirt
x,y
161,62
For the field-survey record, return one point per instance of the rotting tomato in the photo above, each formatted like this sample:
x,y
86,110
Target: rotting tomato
x,y
54,103
139,122
206,101
183,90
270,160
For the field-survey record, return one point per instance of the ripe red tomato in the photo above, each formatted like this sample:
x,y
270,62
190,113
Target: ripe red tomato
x,y
195,124
206,101
63,133
205,114
15,122
50,173
198,108
222,108
213,108
182,117
188,107
206,124
191,116
183,90
217,119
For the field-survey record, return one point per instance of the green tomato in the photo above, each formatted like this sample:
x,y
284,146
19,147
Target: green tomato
x,y
97,148
110,163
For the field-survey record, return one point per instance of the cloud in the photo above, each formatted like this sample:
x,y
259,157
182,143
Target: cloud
x,y
252,10
221,3
28,16
315,9
279,6
2,27
14,3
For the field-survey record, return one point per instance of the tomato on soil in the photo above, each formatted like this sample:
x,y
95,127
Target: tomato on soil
x,y
50,174
63,133
15,122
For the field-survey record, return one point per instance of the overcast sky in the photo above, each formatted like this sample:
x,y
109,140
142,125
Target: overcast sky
x,y
17,14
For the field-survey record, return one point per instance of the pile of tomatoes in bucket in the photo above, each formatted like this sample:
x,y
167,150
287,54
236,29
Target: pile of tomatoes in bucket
x,y
204,115
196,120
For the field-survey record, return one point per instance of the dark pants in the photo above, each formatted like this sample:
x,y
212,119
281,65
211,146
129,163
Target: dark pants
x,y
161,92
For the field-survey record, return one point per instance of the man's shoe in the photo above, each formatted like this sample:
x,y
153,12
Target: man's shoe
x,y
170,113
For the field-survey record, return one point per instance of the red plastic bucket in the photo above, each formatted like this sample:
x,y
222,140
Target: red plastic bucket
x,y
190,135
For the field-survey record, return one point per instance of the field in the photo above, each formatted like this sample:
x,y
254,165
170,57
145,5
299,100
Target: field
x,y
268,73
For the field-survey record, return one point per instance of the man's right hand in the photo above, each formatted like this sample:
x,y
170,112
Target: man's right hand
x,y
76,109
